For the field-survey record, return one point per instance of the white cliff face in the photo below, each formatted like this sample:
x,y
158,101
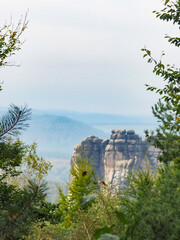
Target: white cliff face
x,y
113,159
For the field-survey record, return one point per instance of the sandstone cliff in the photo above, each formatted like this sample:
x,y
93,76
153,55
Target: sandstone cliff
x,y
114,158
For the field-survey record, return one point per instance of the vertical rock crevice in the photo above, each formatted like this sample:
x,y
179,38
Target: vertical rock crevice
x,y
115,157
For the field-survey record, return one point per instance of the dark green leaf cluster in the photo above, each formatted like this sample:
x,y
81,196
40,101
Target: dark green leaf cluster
x,y
173,40
11,155
49,212
171,11
151,206
19,209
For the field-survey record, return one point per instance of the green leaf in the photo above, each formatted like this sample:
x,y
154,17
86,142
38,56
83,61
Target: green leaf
x,y
121,216
101,231
108,236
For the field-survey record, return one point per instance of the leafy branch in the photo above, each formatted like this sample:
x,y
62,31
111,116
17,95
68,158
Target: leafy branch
x,y
10,39
170,92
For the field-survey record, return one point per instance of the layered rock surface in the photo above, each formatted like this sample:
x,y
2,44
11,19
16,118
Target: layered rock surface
x,y
115,157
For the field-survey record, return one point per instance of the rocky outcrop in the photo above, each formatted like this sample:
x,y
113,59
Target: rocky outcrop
x,y
114,158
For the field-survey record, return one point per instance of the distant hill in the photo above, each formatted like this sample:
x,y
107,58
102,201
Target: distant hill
x,y
57,135
102,118
57,132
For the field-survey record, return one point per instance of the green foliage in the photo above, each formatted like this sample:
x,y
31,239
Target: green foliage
x,y
82,182
35,167
14,121
81,185
101,231
11,155
20,199
19,208
170,12
47,231
10,39
147,210
167,110
151,205
104,211
49,212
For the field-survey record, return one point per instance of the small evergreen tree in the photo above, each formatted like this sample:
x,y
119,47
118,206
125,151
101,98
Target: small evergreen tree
x,y
82,184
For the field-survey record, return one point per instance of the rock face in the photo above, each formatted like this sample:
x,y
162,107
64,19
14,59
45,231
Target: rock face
x,y
113,159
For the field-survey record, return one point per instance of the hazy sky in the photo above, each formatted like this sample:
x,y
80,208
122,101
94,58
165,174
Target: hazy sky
x,y
85,55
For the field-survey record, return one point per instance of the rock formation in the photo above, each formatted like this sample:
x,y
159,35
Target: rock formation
x,y
113,159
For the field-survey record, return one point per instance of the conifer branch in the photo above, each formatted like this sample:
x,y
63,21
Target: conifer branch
x,y
14,120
